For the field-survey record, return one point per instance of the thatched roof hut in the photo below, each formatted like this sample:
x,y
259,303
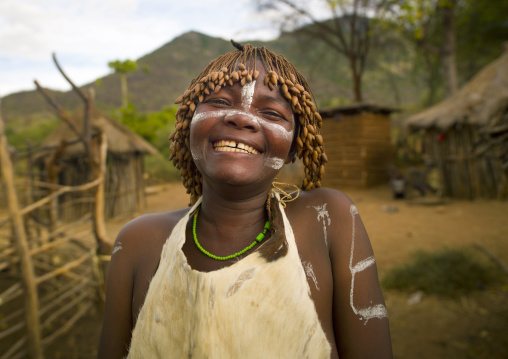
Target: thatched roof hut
x,y
358,145
466,135
124,183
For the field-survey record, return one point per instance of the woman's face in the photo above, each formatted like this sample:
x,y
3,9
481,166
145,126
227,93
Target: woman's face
x,y
242,135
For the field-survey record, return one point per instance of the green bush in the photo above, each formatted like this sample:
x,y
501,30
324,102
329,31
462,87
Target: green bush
x,y
155,128
19,137
449,272
159,169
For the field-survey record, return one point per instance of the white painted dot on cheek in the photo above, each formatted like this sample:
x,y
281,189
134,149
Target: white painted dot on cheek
x,y
275,163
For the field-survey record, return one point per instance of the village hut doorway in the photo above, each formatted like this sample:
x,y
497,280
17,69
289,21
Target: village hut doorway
x,y
466,135
357,144
124,182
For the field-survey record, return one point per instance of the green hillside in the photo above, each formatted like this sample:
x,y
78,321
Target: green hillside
x,y
172,67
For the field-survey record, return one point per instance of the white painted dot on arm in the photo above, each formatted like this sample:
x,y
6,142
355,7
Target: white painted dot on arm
x,y
117,248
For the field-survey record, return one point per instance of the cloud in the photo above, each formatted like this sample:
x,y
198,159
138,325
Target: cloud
x,y
87,34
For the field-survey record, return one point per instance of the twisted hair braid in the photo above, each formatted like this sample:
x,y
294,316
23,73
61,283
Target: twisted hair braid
x,y
240,66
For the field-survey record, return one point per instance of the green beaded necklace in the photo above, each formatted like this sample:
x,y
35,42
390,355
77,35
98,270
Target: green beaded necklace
x,y
259,238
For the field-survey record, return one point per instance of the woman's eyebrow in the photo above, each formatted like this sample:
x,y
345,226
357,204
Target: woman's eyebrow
x,y
228,89
275,99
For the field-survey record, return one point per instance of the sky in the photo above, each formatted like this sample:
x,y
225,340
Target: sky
x,y
86,35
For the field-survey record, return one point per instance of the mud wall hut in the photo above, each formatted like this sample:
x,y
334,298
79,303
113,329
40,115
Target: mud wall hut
x,y
358,146
124,182
466,135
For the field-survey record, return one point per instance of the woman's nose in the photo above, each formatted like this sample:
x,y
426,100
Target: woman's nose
x,y
242,120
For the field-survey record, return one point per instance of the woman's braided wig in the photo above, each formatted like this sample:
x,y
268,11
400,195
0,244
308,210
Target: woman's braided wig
x,y
240,66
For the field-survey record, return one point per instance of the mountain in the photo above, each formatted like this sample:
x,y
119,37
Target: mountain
x,y
387,79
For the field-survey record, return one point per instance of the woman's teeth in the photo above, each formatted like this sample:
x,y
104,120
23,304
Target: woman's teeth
x,y
233,146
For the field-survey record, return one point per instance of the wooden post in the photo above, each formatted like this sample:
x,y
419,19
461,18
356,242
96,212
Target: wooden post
x,y
99,171
27,271
97,160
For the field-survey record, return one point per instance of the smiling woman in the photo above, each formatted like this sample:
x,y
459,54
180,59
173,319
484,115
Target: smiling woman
x,y
247,271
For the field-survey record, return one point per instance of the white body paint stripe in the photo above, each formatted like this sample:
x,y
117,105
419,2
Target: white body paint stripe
x,y
309,271
363,264
323,215
375,311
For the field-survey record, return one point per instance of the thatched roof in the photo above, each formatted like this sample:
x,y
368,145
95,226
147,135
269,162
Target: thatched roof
x,y
479,102
121,140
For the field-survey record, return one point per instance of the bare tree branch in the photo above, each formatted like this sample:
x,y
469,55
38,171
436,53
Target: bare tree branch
x,y
74,87
57,108
347,31
87,101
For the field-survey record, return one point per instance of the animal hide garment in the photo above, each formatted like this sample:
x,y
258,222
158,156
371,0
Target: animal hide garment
x,y
251,309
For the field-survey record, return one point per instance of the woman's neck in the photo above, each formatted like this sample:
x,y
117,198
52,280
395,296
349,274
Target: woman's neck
x,y
233,213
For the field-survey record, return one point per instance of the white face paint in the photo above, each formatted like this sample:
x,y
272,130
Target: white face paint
x,y
195,156
256,119
275,163
223,113
375,311
248,93
281,130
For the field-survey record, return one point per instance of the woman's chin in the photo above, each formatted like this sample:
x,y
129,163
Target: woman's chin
x,y
242,176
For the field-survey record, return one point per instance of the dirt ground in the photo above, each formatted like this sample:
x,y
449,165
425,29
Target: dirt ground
x,y
470,327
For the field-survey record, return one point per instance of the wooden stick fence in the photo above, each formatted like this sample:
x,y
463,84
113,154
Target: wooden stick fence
x,y
58,266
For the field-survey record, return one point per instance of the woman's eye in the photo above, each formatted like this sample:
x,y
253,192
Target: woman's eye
x,y
273,115
218,101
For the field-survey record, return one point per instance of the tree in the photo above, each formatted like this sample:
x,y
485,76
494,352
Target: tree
x,y
431,24
454,38
122,68
347,31
482,30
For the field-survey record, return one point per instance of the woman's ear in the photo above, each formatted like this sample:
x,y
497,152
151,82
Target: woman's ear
x,y
293,150
291,155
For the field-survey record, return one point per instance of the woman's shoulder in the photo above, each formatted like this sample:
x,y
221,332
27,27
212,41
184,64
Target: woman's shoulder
x,y
322,213
146,234
324,199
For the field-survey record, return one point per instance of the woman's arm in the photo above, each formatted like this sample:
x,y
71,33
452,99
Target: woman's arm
x,y
118,323
360,318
